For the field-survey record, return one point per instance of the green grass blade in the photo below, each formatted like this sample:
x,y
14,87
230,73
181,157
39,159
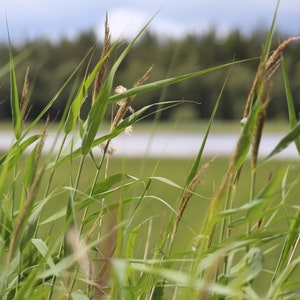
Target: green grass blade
x,y
42,247
108,183
17,59
289,98
14,99
197,160
267,47
75,109
131,241
169,81
290,102
286,141
12,156
27,286
288,244
30,168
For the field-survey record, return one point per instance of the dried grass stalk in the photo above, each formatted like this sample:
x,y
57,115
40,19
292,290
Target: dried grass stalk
x,y
101,73
186,196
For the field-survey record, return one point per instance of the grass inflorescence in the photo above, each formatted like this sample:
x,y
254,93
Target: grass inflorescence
x,y
76,226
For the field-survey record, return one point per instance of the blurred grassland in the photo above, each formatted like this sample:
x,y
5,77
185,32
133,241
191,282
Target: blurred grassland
x,y
152,209
175,170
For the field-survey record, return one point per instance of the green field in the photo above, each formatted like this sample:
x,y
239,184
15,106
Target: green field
x,y
154,208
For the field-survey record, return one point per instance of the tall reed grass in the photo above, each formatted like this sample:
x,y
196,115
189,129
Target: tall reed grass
x,y
89,246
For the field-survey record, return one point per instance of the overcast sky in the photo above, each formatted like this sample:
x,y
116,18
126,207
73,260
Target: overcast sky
x,y
29,19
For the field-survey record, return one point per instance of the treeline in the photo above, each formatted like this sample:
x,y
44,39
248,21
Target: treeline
x,y
51,64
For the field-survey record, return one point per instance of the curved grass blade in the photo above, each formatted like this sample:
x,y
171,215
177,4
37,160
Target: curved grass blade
x,y
13,155
17,59
288,245
290,102
286,141
168,81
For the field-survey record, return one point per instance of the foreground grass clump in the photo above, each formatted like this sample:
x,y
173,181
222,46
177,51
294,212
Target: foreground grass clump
x,y
75,226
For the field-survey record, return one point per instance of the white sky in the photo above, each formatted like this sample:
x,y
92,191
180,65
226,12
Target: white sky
x,y
28,19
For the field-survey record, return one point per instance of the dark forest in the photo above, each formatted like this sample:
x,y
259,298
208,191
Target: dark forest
x,y
50,65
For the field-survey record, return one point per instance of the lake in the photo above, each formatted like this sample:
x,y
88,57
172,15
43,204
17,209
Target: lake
x,y
173,144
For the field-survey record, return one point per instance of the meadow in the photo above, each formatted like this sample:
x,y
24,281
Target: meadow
x,y
79,225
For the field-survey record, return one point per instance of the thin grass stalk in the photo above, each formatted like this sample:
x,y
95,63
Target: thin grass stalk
x,y
14,98
13,192
233,170
125,105
71,216
53,169
192,174
277,289
187,194
59,152
72,199
53,280
101,277
288,245
224,232
97,223
293,250
148,239
251,195
26,208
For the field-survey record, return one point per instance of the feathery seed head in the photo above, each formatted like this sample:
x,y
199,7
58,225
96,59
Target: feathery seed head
x,y
80,250
108,148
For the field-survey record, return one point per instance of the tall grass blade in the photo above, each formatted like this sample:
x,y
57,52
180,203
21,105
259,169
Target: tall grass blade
x,y
290,102
17,60
42,247
268,44
14,154
148,87
14,99
197,160
286,141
